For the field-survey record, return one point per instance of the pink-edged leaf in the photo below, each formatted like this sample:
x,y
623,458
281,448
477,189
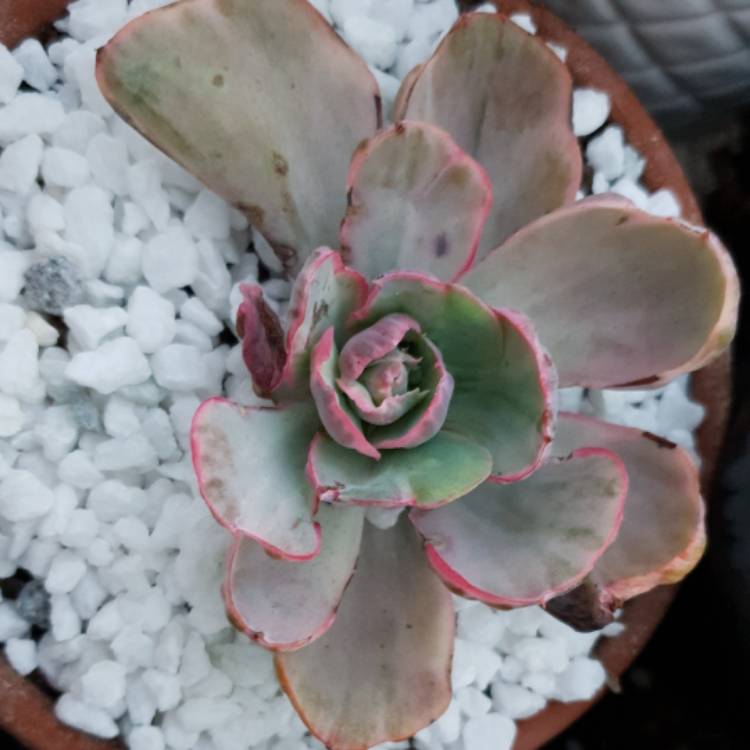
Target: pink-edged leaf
x,y
387,411
374,342
512,545
504,390
262,337
505,98
382,672
250,464
415,201
430,475
662,535
282,604
325,294
238,92
426,418
619,297
338,419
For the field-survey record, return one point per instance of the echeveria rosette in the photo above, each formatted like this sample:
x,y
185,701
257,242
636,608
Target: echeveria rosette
x,y
408,373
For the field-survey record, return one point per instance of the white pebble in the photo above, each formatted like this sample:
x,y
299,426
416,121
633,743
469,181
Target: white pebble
x,y
108,161
77,130
490,732
78,470
590,110
582,679
514,701
88,218
38,71
170,260
12,319
27,114
125,454
11,416
21,655
89,325
103,685
44,333
66,623
19,164
208,216
146,738
11,75
525,21
133,648
180,367
57,431
65,572
373,40
14,264
23,497
120,418
19,367
196,312
12,625
64,168
140,703
606,152
144,187
106,623
88,595
663,203
151,319
114,364
632,191
112,499
77,714
473,702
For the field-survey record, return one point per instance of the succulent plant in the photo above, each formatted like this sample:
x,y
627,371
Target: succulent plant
x,y
416,366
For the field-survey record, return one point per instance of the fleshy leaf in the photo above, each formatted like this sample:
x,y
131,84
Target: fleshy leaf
x,y
517,544
441,470
262,336
286,604
662,535
250,465
505,98
415,201
382,672
387,411
342,425
374,342
325,294
619,297
423,421
262,101
504,383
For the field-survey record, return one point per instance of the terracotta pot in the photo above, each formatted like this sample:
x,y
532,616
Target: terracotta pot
x,y
22,18
26,711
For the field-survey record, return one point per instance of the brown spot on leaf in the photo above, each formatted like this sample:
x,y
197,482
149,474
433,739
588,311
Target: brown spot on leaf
x,y
280,164
218,80
399,128
441,245
660,441
650,380
622,220
255,214
378,110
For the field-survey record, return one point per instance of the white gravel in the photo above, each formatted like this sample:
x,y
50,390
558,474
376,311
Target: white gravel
x,y
97,497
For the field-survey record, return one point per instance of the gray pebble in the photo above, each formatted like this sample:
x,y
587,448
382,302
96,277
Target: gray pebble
x,y
52,285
